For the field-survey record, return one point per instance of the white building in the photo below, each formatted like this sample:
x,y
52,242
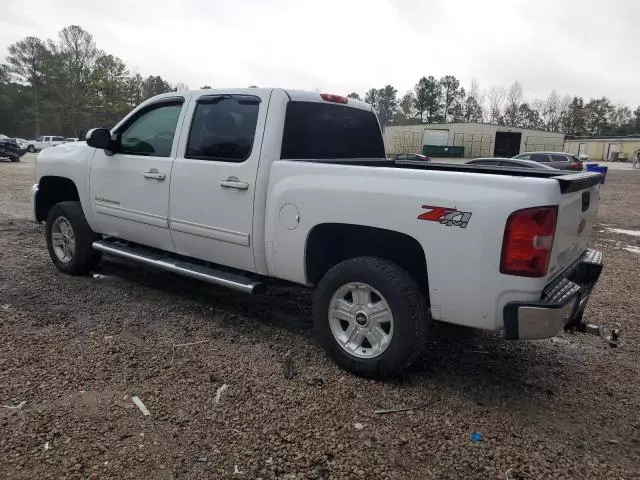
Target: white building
x,y
468,140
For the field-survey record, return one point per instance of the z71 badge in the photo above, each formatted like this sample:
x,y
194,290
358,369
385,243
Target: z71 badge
x,y
446,216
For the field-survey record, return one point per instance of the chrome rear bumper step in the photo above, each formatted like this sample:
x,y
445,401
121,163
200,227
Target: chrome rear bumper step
x,y
181,267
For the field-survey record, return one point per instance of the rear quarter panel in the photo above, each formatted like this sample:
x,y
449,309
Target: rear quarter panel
x,y
465,286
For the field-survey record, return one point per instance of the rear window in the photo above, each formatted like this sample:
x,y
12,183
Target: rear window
x,y
323,131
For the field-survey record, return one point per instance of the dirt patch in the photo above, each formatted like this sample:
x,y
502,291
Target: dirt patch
x,y
76,349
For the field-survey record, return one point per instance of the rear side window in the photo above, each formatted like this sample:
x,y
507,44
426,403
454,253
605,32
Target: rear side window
x,y
223,128
559,158
58,139
323,131
540,157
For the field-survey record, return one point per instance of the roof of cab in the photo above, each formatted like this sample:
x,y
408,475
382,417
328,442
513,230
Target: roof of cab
x,y
294,95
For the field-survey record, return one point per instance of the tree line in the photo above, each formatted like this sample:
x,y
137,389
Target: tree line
x,y
66,85
444,100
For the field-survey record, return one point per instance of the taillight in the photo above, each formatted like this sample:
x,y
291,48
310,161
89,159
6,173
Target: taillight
x,y
328,97
576,166
528,239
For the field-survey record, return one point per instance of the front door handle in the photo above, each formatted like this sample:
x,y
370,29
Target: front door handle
x,y
153,173
233,182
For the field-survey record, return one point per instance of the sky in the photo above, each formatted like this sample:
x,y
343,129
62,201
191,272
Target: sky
x,y
577,47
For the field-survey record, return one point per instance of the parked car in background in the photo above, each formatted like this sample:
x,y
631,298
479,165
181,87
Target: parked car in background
x,y
23,145
509,162
559,160
45,141
9,148
412,156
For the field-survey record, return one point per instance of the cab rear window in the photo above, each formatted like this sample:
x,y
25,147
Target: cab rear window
x,y
322,131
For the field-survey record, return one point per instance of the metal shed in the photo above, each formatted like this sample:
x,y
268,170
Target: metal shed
x,y
468,140
603,148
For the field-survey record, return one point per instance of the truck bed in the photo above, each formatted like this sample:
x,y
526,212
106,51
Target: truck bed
x,y
569,182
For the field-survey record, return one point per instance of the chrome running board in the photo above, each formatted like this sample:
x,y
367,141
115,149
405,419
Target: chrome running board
x,y
181,267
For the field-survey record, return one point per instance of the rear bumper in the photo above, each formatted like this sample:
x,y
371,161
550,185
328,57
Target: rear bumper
x,y
562,302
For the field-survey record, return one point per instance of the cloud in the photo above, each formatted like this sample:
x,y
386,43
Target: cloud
x,y
575,47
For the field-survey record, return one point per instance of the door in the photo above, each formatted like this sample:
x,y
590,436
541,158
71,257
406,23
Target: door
x,y
46,143
582,149
507,144
130,188
561,162
214,179
539,157
613,150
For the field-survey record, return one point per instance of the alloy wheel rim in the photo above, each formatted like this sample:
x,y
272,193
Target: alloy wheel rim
x,y
360,320
63,239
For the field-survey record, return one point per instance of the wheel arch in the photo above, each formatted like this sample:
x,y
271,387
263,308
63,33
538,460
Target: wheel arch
x,y
52,190
331,243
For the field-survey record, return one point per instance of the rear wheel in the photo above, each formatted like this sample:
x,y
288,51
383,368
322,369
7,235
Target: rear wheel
x,y
70,239
15,159
370,316
31,149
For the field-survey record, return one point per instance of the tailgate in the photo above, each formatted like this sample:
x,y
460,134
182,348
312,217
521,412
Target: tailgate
x,y
577,213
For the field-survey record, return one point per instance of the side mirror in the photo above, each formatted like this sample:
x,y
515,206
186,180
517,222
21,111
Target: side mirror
x,y
100,138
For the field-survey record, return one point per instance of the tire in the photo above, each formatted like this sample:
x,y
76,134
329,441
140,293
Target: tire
x,y
14,159
31,149
388,284
78,257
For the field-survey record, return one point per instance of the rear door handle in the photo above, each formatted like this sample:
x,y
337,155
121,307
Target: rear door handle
x,y
233,182
153,173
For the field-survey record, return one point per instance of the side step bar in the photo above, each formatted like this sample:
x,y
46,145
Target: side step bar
x,y
181,267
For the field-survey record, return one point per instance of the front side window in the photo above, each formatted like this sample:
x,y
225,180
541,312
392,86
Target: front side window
x,y
223,128
325,131
152,132
47,139
40,139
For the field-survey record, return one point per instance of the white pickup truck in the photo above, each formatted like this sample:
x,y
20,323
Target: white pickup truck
x,y
43,142
236,187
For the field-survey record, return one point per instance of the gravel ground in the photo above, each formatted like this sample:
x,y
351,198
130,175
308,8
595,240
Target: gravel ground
x,y
76,349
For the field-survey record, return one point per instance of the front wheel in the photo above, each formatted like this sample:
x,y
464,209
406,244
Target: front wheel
x,y
31,149
370,316
70,239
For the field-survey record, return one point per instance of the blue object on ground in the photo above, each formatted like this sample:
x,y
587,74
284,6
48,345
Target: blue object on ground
x,y
476,437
